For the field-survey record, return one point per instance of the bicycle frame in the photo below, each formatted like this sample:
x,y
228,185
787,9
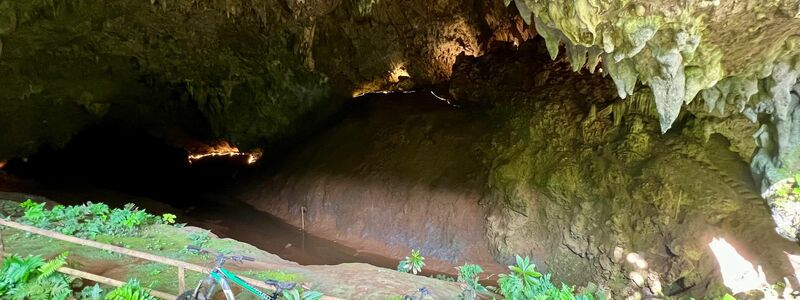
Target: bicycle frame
x,y
220,276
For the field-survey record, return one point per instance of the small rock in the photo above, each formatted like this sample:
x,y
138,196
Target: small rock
x,y
637,278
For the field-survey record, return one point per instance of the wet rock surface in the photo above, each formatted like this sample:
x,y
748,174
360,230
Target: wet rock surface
x,y
399,173
583,183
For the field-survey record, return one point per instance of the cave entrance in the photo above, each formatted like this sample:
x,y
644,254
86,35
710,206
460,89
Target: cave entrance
x,y
118,165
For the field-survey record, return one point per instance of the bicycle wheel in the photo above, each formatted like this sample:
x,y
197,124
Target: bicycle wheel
x,y
188,295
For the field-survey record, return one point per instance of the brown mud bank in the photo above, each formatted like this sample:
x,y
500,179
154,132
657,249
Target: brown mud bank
x,y
539,161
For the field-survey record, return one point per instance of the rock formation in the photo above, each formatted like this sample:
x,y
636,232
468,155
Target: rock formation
x,y
741,57
259,71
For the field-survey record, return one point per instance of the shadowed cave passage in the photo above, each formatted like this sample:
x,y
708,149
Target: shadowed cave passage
x,y
117,164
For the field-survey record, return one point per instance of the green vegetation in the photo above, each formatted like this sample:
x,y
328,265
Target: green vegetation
x,y
130,291
34,278
789,192
469,275
168,218
412,264
523,282
94,292
90,219
129,227
200,239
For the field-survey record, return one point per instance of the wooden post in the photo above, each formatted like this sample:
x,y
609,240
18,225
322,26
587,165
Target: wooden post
x,y
2,245
303,218
181,280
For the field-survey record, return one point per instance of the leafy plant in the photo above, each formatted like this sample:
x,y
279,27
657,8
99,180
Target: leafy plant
x,y
94,292
790,190
523,282
34,212
34,278
728,297
469,275
90,219
299,294
168,218
200,239
412,264
520,281
131,290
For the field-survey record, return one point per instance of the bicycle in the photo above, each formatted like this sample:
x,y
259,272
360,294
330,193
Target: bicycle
x,y
219,276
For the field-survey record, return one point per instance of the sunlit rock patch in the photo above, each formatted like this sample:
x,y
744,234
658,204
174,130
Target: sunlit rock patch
x,y
747,280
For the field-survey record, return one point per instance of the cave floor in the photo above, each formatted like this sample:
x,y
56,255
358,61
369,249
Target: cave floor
x,y
344,280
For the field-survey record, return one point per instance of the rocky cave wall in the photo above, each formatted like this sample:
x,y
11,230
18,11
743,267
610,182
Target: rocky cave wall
x,y
396,174
552,166
739,57
583,181
258,71
252,72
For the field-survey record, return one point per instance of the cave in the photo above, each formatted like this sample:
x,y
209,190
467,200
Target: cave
x,y
629,149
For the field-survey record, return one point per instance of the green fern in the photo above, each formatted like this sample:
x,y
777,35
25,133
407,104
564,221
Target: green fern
x,y
33,278
35,213
51,266
17,270
130,291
